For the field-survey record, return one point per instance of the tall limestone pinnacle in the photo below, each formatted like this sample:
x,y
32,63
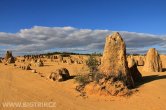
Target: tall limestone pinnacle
x,y
153,62
114,62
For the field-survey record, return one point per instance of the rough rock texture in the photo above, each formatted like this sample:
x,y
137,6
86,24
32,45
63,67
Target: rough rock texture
x,y
9,57
130,61
136,75
116,88
116,77
61,74
153,62
114,62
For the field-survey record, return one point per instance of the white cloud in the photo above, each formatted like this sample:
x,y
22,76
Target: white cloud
x,y
41,38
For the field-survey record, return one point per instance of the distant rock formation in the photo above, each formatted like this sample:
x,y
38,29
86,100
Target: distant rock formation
x,y
153,62
9,57
140,61
26,67
40,63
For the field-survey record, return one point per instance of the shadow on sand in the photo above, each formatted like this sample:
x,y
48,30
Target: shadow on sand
x,y
164,69
71,77
147,79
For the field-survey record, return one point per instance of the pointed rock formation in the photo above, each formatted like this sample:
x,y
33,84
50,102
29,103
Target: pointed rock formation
x,y
114,62
114,77
9,57
153,62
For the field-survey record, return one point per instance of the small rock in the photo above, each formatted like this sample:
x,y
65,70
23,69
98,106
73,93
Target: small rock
x,y
60,75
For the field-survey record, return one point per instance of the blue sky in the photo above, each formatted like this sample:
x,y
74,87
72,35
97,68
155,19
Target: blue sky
x,y
31,26
145,16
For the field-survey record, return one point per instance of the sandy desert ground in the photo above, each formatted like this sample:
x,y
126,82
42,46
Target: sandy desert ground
x,y
17,85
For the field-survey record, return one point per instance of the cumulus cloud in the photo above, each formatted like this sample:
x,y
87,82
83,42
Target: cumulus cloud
x,y
41,38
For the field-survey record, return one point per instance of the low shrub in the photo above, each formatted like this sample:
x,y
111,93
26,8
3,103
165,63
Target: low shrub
x,y
82,79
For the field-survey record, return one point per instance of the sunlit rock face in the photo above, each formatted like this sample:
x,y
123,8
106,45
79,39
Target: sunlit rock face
x,y
153,62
